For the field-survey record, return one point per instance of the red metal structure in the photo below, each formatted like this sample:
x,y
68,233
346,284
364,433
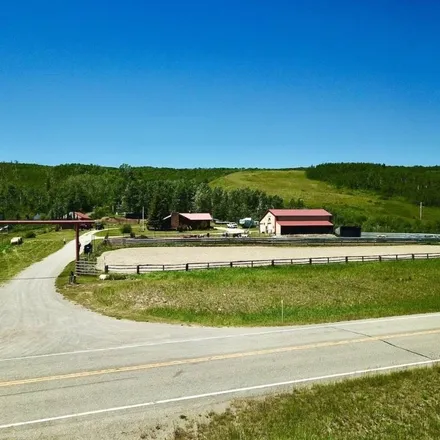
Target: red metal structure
x,y
75,223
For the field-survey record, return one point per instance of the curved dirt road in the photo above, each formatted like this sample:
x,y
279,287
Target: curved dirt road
x,y
35,319
66,372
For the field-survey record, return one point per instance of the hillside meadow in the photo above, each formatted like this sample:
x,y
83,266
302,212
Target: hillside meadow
x,y
294,184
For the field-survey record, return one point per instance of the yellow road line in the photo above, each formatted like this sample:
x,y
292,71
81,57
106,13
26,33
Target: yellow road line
x,y
84,374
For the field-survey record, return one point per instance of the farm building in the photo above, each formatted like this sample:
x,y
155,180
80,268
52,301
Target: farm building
x,y
194,221
76,216
296,221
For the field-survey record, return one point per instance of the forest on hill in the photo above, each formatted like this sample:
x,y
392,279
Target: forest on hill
x,y
415,184
27,190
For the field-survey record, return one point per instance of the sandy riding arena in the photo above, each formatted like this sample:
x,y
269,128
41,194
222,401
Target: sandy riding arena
x,y
179,255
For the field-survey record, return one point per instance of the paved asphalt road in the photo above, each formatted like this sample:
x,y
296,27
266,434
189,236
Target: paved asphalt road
x,y
67,373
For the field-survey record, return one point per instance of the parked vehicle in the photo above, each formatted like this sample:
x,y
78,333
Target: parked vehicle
x,y
232,225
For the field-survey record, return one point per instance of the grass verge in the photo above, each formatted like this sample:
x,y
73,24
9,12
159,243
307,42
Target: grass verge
x,y
246,297
13,259
403,405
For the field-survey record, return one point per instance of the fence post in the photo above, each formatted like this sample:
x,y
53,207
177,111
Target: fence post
x,y
310,261
187,267
328,260
413,256
346,259
252,263
163,267
106,268
138,269
380,257
273,262
231,264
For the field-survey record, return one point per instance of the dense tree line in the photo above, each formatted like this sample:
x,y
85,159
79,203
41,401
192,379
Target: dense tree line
x,y
415,184
26,190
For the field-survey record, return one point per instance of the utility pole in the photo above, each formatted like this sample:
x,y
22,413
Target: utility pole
x,y
143,219
421,210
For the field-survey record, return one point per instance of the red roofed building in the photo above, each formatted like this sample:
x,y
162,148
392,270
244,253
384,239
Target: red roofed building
x,y
76,215
179,220
296,221
80,216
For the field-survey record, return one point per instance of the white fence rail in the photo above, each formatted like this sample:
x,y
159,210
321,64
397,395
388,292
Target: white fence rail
x,y
221,241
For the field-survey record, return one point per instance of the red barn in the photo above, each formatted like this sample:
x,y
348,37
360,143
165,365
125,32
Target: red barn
x,y
193,221
296,221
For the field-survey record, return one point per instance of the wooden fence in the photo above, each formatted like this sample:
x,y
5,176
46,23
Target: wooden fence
x,y
146,268
263,241
87,267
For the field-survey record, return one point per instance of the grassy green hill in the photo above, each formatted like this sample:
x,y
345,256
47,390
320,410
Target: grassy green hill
x,y
294,184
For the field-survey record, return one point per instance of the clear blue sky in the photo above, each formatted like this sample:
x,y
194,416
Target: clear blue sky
x,y
188,83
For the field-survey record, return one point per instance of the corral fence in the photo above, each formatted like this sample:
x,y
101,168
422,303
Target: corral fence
x,y
147,268
224,241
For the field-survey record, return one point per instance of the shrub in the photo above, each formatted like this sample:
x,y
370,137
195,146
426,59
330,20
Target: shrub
x,y
126,229
30,234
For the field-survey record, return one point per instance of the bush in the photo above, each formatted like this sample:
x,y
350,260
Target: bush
x,y
30,234
126,229
57,228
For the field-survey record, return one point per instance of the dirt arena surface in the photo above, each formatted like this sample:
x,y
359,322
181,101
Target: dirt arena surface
x,y
178,255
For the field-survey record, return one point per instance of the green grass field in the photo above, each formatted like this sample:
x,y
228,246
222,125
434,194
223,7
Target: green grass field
x,y
316,194
249,297
403,405
13,259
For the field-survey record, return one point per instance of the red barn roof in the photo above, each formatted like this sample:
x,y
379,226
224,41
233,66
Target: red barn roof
x,y
196,216
81,216
305,223
299,212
